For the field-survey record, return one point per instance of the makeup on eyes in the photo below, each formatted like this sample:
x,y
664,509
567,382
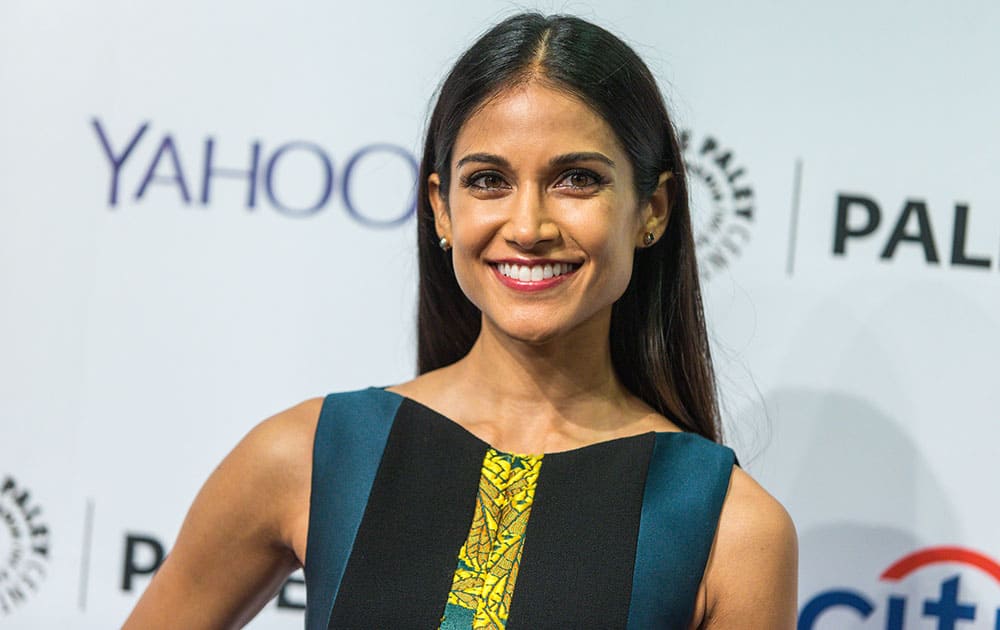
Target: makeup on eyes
x,y
488,181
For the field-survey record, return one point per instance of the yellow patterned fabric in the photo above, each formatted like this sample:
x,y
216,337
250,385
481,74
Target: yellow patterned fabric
x,y
483,584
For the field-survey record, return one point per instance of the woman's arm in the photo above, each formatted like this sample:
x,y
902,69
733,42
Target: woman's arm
x,y
751,580
244,533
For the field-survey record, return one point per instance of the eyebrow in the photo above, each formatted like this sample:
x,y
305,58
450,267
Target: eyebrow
x,y
559,160
581,156
485,158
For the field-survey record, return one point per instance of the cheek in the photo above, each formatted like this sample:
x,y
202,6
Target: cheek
x,y
613,254
620,272
467,281
469,240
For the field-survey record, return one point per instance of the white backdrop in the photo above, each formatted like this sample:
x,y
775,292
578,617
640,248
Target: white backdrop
x,y
147,323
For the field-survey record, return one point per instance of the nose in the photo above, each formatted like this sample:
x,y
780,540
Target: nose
x,y
529,224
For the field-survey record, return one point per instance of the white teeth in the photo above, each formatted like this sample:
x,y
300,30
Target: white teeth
x,y
534,273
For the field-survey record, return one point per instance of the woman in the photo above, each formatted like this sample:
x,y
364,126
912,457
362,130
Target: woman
x,y
554,465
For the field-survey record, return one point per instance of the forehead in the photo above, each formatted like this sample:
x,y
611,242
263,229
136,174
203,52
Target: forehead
x,y
534,121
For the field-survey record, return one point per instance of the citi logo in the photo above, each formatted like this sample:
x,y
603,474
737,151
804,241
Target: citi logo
x,y
944,606
376,184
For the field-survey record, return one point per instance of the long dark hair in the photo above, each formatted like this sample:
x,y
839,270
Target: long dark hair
x,y
659,347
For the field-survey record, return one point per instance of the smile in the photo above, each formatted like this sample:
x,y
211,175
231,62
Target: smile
x,y
533,277
534,273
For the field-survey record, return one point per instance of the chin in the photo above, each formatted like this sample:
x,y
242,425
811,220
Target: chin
x,y
534,330
534,338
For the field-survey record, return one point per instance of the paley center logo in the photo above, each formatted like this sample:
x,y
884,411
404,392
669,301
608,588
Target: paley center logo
x,y
722,202
298,178
24,545
921,590
860,218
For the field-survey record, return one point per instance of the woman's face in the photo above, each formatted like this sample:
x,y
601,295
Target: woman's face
x,y
542,214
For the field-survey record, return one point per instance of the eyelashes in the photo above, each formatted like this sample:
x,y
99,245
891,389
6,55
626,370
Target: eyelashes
x,y
575,180
484,181
583,179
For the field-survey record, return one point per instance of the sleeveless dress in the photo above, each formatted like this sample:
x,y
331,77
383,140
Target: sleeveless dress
x,y
416,523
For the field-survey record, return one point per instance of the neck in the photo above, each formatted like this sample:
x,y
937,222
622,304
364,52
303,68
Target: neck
x,y
528,392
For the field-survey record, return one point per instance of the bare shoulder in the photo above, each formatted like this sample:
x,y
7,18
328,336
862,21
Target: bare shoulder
x,y
752,577
751,518
282,444
432,386
245,531
277,455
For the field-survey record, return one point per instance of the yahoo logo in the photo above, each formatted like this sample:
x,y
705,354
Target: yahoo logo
x,y
946,606
261,172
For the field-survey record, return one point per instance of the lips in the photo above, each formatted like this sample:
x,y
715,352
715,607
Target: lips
x,y
533,277
534,273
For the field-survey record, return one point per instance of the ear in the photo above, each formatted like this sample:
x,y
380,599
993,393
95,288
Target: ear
x,y
442,220
656,212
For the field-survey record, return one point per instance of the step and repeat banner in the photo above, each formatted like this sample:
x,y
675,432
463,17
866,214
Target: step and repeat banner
x,y
206,216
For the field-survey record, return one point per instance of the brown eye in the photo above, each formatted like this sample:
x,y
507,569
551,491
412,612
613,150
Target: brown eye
x,y
580,180
488,181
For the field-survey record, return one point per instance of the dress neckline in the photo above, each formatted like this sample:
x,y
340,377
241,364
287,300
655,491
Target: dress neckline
x,y
549,454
